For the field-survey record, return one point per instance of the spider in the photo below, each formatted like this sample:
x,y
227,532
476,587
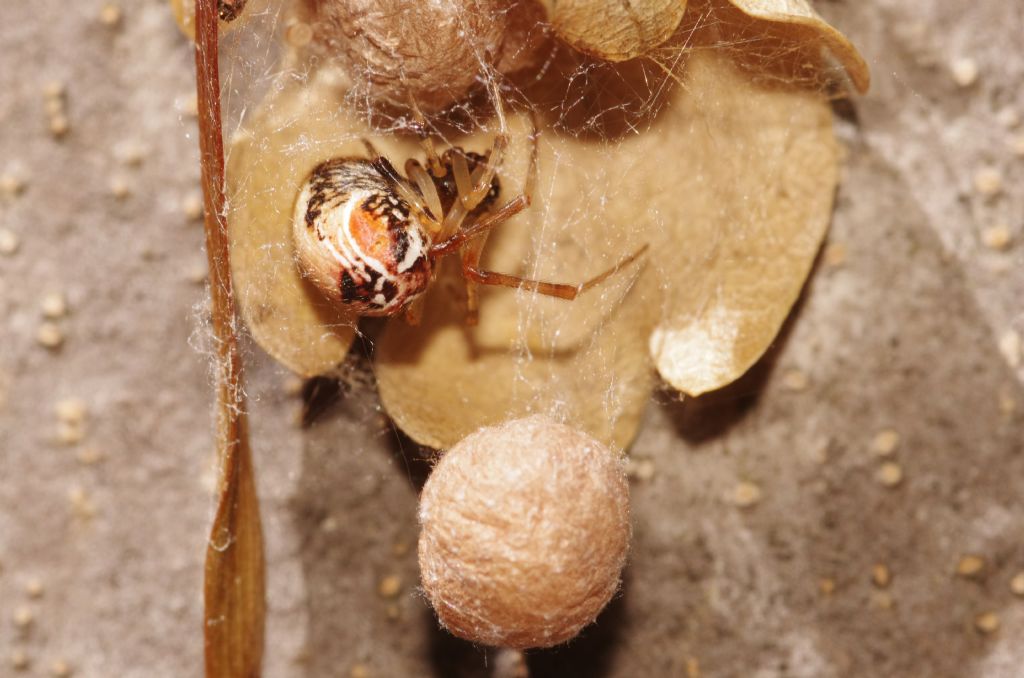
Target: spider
x,y
369,237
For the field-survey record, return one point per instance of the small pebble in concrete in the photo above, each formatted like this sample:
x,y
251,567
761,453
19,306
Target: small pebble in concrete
x,y
1017,584
23,617
71,410
192,206
795,380
11,185
885,442
20,660
54,306
1010,347
987,623
988,181
997,237
964,71
1008,117
970,566
1017,145
34,588
746,494
389,587
880,575
110,15
890,474
9,241
835,254
49,335
119,187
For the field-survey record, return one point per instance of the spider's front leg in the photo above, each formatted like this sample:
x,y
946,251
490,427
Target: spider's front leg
x,y
474,194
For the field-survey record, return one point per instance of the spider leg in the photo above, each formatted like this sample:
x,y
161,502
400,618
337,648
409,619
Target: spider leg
x,y
419,125
471,253
506,211
484,175
388,171
560,290
483,277
414,170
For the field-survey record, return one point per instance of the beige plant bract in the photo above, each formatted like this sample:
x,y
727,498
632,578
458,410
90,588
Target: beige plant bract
x,y
805,25
267,164
749,222
525,529
730,181
615,30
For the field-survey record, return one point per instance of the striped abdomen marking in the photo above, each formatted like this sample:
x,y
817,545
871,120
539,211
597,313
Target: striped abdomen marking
x,y
358,240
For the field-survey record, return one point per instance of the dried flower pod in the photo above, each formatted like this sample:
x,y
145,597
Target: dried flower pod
x,y
525,529
615,30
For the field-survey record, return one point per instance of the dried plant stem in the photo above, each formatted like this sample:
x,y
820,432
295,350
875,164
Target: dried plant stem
x,y
234,575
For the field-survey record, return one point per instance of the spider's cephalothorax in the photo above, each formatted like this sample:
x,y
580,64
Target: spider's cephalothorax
x,y
448,191
358,239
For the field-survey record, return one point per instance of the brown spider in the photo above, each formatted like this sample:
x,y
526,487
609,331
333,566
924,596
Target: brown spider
x,y
369,237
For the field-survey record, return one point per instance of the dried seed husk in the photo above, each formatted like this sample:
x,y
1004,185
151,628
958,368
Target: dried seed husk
x,y
614,30
296,128
787,39
743,218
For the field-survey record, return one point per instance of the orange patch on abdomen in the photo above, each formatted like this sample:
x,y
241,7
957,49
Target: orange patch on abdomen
x,y
371,235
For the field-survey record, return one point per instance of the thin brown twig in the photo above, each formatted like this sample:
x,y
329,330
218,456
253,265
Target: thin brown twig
x,y
234,572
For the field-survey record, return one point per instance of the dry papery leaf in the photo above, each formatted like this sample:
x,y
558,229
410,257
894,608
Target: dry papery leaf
x,y
726,172
617,30
268,161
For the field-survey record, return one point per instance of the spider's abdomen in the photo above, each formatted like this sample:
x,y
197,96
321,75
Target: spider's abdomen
x,y
358,240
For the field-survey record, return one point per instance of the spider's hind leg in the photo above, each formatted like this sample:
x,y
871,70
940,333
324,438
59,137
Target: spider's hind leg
x,y
550,289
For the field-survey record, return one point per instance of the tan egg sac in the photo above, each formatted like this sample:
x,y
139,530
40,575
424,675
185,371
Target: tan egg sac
x,y
435,51
525,529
